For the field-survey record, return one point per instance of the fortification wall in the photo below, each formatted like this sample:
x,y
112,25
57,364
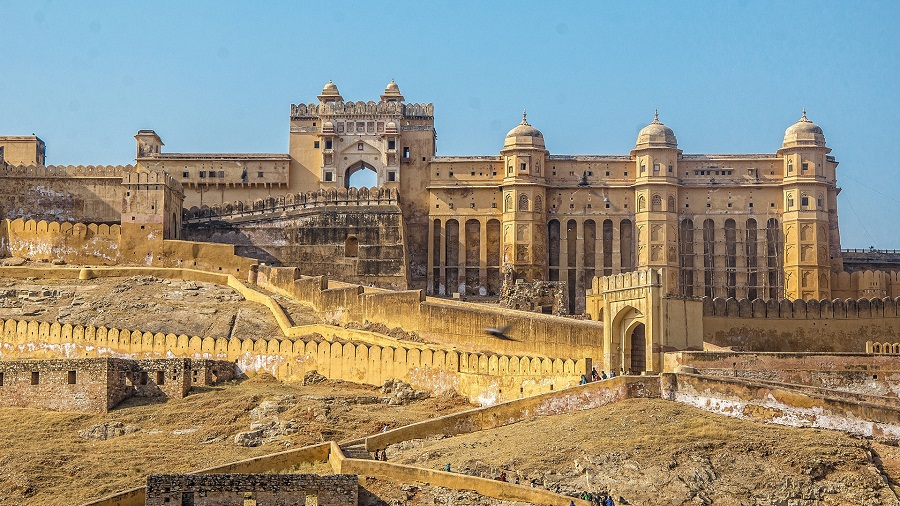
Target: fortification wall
x,y
800,326
359,244
62,193
449,323
75,243
858,373
781,405
485,378
866,284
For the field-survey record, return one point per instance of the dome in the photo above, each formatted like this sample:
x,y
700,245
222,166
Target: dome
x,y
804,133
392,93
391,127
330,93
524,133
656,135
328,127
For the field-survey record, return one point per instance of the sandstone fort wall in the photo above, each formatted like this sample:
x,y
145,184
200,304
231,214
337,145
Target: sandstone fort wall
x,y
446,322
800,326
62,193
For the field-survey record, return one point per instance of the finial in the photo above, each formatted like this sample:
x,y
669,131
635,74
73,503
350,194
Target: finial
x,y
804,118
655,114
524,114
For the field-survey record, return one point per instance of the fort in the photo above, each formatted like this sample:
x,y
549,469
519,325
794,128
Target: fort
x,y
714,280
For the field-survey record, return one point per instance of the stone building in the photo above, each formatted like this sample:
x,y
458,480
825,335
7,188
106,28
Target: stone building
x,y
722,225
252,490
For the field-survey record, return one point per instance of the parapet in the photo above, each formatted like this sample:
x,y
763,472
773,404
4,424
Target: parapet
x,y
158,178
328,490
66,171
360,108
802,309
66,228
634,279
374,196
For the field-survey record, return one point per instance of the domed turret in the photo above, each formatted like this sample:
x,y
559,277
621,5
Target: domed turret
x,y
524,134
390,128
330,93
803,133
328,127
392,93
656,135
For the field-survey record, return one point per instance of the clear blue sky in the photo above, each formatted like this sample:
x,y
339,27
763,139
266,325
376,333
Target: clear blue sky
x,y
728,77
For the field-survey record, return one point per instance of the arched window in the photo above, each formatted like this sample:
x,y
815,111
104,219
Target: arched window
x,y
351,246
671,206
538,204
656,203
523,202
507,203
642,204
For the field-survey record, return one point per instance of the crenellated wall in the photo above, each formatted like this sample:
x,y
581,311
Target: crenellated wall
x,y
867,284
72,242
483,377
442,321
800,326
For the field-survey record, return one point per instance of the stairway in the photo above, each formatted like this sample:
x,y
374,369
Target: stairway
x,y
357,451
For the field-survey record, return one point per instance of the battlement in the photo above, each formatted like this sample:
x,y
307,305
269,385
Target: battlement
x,y
66,228
886,307
65,171
374,196
137,178
362,109
626,280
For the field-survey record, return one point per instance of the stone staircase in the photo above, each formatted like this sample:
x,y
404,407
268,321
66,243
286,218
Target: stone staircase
x,y
356,451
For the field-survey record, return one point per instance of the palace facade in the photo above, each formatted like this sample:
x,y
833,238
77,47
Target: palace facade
x,y
722,225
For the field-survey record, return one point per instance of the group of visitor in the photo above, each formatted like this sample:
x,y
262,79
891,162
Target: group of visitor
x,y
598,499
596,377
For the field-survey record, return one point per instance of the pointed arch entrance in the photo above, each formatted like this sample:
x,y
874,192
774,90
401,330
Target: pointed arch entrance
x,y
361,175
638,349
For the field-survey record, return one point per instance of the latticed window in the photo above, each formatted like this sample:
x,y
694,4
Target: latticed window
x,y
523,202
656,203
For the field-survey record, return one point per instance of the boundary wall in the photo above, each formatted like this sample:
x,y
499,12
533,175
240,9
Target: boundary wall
x,y
336,352
451,323
839,325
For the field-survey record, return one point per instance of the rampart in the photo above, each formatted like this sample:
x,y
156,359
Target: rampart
x,y
93,244
839,325
295,201
449,323
859,373
780,404
63,193
219,489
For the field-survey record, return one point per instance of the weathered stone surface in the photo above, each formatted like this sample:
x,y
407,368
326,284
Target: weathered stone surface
x,y
108,430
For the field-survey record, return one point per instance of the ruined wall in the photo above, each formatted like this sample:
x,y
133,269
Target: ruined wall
x,y
62,193
355,236
772,403
446,322
800,326
262,489
62,385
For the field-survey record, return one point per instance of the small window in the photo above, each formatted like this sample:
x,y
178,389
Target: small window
x,y
790,166
259,174
655,167
329,176
185,174
790,203
160,377
729,204
221,173
35,378
329,144
708,204
626,173
450,205
771,204
405,152
392,144
671,169
202,173
643,168
144,378
392,176
472,205
805,166
493,205
523,167
819,203
751,205
607,205
473,172
359,146
70,379
607,173
1,379
316,144
804,201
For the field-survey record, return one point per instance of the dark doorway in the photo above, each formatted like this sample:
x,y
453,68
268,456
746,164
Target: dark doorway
x,y
638,350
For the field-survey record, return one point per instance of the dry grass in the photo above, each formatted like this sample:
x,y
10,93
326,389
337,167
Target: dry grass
x,y
44,461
